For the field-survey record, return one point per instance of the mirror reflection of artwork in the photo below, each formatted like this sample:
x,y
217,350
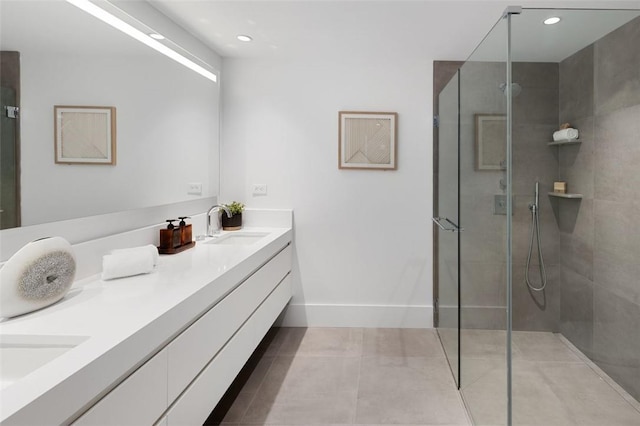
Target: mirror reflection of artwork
x,y
85,135
491,141
367,140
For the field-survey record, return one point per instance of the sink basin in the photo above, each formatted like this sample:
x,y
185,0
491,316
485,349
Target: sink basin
x,y
239,238
21,355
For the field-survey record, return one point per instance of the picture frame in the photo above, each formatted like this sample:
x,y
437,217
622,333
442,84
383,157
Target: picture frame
x,y
491,141
85,134
367,140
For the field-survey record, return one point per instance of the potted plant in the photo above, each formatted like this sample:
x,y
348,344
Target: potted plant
x,y
234,222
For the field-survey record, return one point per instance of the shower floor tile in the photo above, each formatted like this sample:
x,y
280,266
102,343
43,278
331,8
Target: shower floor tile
x,y
552,385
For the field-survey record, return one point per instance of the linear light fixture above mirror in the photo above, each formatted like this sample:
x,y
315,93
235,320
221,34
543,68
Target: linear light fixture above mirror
x,y
131,31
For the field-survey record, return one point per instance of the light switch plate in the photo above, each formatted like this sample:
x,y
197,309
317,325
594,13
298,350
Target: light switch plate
x,y
259,189
194,188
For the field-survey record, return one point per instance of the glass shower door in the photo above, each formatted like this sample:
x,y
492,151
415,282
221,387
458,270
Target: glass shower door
x,y
484,199
446,231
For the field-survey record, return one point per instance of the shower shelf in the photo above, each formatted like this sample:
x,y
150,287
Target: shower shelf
x,y
569,142
561,195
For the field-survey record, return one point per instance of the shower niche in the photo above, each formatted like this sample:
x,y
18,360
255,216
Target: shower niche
x,y
566,195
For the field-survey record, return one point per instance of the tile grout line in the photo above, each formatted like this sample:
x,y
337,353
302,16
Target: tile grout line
x,y
466,408
602,374
255,395
266,373
355,408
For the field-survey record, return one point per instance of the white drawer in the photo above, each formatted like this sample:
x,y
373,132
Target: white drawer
x,y
201,397
139,400
270,310
193,349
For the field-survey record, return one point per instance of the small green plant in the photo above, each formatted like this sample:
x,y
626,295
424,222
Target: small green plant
x,y
235,207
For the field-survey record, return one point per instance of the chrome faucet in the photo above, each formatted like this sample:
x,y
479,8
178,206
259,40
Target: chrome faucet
x,y
211,231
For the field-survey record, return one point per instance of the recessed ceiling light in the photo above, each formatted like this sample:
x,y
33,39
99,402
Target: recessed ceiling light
x,y
156,36
243,37
552,20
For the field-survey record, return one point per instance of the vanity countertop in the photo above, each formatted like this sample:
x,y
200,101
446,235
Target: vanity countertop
x,y
124,322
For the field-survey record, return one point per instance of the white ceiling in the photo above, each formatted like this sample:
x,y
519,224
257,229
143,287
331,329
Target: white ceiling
x,y
532,41
448,29
344,29
304,28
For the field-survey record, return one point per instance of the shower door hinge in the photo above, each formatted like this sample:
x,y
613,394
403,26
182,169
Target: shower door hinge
x,y
11,111
512,10
436,121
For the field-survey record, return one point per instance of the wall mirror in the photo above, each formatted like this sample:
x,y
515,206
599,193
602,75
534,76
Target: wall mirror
x,y
167,117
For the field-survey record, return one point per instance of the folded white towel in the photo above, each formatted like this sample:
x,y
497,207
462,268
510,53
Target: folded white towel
x,y
150,248
565,135
127,263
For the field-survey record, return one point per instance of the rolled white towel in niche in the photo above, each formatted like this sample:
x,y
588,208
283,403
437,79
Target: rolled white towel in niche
x,y
38,275
569,134
129,262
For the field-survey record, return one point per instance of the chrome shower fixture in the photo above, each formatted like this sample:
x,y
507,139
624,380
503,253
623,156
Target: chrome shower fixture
x,y
535,234
516,89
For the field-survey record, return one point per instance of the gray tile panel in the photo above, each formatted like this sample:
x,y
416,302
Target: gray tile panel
x,y
617,69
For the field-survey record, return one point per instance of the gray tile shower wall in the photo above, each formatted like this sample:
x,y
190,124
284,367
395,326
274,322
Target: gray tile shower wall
x,y
535,118
576,86
616,69
483,244
599,237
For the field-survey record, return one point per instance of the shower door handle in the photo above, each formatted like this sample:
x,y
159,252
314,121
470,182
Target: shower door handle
x,y
449,226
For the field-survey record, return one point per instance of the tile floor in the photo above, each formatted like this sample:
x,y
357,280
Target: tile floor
x,y
340,376
552,382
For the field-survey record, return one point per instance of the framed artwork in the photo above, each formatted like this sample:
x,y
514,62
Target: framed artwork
x,y
367,140
85,135
491,141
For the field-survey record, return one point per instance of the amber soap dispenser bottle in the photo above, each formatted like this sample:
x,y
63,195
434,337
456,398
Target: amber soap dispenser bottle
x,y
185,231
170,238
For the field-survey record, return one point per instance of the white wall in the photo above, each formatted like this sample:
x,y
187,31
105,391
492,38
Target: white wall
x,y
363,238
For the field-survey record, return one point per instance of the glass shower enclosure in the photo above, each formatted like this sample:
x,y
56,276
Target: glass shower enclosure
x,y
537,279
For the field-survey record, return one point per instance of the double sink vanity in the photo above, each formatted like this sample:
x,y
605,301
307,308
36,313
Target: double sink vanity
x,y
160,348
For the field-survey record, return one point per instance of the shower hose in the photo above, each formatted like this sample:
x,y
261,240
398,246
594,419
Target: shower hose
x,y
535,233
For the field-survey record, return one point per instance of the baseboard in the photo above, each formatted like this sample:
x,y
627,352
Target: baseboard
x,y
475,317
367,316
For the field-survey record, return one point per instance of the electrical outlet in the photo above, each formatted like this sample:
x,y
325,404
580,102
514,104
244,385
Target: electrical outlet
x,y
194,188
259,189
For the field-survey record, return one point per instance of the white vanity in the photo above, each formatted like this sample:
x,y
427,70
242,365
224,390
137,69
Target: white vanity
x,y
160,348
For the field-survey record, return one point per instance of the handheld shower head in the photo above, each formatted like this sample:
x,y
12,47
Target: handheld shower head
x,y
535,234
536,198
